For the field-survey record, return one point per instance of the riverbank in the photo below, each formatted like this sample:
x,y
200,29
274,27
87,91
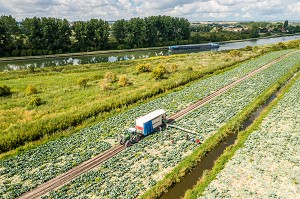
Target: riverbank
x,y
79,54
254,39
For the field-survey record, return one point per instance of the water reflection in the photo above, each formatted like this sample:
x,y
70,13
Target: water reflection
x,y
41,63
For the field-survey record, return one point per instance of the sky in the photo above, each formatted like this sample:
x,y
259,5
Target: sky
x,y
193,10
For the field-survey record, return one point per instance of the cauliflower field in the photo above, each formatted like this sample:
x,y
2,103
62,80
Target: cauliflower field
x,y
141,166
268,166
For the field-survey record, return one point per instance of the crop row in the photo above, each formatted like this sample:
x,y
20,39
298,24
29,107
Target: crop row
x,y
268,163
231,102
26,171
137,168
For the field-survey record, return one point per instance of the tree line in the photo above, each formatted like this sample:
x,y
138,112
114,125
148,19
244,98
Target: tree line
x,y
46,35
151,31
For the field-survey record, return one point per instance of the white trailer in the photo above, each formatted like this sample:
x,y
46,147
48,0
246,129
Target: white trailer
x,y
149,122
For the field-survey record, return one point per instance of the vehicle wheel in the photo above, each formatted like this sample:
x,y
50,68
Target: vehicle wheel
x,y
121,138
127,143
137,139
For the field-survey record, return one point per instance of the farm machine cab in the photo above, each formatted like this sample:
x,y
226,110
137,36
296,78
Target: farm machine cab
x,y
129,137
145,125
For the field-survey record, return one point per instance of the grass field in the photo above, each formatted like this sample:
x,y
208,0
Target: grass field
x,y
65,104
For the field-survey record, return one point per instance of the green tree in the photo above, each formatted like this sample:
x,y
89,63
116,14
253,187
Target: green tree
x,y
152,28
13,32
32,27
285,24
97,34
49,28
136,34
64,35
91,35
254,32
4,38
120,31
79,29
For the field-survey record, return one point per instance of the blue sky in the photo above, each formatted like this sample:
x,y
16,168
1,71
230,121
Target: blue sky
x,y
193,10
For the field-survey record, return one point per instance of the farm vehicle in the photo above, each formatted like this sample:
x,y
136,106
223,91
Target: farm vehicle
x,y
146,125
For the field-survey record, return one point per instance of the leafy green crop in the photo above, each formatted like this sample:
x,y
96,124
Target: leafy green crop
x,y
267,166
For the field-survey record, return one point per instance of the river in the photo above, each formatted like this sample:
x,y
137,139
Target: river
x,y
113,57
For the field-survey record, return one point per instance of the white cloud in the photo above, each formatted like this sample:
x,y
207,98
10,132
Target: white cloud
x,y
117,9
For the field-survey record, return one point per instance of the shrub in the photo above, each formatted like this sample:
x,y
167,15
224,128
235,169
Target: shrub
x,y
172,68
281,46
123,81
110,77
35,101
105,86
31,90
141,68
31,68
82,82
255,48
190,68
293,44
235,53
158,72
5,90
262,51
248,48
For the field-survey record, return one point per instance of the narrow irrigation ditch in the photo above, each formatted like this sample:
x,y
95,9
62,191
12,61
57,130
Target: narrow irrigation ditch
x,y
189,180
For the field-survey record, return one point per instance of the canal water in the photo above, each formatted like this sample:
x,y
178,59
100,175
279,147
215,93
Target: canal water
x,y
113,57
